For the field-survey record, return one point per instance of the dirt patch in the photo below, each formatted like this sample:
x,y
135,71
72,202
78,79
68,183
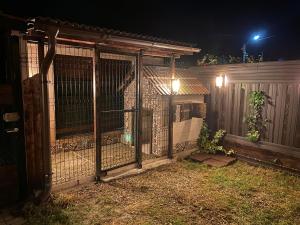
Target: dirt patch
x,y
180,193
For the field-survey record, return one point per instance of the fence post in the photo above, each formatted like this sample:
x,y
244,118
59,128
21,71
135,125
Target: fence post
x,y
97,111
44,68
139,109
170,149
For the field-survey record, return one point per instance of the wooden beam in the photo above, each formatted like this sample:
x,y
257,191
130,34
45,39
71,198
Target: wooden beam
x,y
170,148
44,68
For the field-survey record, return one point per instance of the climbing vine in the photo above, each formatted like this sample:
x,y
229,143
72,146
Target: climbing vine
x,y
255,122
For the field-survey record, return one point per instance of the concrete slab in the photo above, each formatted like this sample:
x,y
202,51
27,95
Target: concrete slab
x,y
135,171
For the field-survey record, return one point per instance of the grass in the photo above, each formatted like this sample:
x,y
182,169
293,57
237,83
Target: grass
x,y
181,193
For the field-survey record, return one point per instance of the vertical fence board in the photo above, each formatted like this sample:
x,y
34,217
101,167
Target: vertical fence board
x,y
219,107
295,115
265,88
228,108
245,110
236,108
271,111
279,113
296,135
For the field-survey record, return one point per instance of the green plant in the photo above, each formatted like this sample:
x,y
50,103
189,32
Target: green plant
x,y
253,136
203,136
211,59
214,144
255,122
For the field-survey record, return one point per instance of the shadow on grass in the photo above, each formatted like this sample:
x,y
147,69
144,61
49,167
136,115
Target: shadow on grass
x,y
52,212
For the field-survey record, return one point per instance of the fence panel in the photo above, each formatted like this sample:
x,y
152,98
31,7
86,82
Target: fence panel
x,y
229,106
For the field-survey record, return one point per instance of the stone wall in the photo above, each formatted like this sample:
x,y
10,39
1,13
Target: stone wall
x,y
159,106
85,141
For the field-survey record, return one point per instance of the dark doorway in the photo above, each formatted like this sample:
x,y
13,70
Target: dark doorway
x,y
12,152
73,77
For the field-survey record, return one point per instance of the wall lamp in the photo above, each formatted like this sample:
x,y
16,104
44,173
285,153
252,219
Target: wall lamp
x,y
221,81
175,86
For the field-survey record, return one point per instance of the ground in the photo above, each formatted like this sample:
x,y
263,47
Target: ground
x,y
180,193
71,165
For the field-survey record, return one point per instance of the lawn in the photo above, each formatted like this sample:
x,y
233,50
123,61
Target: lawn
x,y
180,193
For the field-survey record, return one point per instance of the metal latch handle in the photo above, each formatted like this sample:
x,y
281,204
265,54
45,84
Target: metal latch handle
x,y
12,130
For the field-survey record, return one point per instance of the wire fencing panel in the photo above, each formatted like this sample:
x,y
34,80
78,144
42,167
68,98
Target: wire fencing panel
x,y
118,104
74,152
70,89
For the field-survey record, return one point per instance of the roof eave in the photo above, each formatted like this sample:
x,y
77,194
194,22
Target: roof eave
x,y
99,36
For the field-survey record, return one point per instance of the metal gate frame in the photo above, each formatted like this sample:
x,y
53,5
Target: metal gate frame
x,y
98,111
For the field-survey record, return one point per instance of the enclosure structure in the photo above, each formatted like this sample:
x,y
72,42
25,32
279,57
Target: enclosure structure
x,y
82,85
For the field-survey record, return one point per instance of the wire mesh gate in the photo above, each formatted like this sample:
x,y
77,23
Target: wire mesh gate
x,y
73,142
117,108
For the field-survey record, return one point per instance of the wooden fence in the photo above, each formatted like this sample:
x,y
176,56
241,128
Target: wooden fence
x,y
228,106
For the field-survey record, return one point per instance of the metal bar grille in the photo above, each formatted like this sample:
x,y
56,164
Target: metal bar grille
x,y
118,101
71,114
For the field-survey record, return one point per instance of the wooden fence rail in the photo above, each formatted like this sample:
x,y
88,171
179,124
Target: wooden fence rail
x,y
228,106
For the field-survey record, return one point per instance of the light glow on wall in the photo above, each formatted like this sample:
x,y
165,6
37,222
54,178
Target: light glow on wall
x,y
221,81
175,86
225,80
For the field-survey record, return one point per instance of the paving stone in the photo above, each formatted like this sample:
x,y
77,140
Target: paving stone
x,y
200,157
224,158
215,163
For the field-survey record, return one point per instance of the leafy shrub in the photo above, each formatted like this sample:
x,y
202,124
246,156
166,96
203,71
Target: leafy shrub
x,y
203,136
212,145
253,136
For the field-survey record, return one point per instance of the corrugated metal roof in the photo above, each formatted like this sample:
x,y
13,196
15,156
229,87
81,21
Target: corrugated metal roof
x,y
160,77
108,31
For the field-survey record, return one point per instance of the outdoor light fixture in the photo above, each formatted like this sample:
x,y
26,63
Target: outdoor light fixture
x,y
221,81
175,86
254,39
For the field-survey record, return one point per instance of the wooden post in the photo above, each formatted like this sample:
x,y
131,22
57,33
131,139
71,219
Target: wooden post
x,y
44,68
170,149
139,108
97,112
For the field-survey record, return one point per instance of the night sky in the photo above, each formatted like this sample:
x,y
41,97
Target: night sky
x,y
216,27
